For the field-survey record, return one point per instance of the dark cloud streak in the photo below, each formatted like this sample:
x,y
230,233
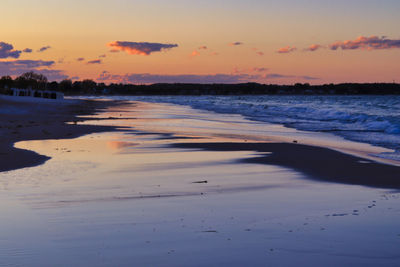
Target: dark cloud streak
x,y
235,44
96,61
140,48
18,67
44,48
7,51
368,43
147,78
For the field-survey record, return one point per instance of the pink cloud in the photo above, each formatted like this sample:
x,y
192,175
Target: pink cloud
x,y
368,43
140,48
237,70
286,49
313,47
260,53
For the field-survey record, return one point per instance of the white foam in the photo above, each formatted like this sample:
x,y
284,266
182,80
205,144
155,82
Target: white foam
x,y
356,118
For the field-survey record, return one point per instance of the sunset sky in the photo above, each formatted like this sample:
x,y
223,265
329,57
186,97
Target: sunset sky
x,y
147,41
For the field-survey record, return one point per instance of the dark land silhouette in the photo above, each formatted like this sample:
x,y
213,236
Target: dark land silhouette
x,y
90,87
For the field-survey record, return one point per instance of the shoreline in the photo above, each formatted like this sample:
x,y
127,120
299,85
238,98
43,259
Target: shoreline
x,y
171,181
315,162
23,121
348,140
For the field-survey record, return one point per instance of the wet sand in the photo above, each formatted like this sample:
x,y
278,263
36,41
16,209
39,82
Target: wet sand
x,y
27,120
317,163
181,187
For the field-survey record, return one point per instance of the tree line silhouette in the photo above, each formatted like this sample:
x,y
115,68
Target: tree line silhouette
x,y
89,87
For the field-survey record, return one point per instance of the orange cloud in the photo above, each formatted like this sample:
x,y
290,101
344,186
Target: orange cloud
x,y
195,53
314,47
286,49
260,53
140,48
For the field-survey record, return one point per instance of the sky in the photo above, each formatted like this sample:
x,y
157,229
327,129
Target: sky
x,y
209,41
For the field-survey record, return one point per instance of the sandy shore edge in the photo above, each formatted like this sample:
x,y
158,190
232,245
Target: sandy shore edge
x,y
50,121
22,120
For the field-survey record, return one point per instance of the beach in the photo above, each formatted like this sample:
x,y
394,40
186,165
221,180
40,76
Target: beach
x,y
37,119
122,183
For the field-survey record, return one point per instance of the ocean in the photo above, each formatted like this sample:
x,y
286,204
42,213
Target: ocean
x,y
368,119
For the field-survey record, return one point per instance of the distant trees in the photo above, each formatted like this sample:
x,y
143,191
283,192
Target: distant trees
x,y
84,87
52,86
6,82
31,80
65,85
90,87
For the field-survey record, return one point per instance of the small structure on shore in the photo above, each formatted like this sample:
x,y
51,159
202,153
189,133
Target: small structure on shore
x,y
37,93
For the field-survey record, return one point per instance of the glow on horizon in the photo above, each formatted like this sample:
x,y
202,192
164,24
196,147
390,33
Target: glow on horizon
x,y
217,37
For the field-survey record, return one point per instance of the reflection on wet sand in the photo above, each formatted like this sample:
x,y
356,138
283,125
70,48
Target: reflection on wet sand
x,y
134,197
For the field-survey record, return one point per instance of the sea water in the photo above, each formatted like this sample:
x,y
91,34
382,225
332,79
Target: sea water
x,y
368,119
